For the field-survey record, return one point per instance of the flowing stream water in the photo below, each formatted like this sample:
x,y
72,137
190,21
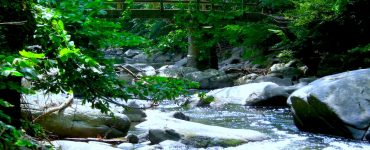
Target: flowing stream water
x,y
275,122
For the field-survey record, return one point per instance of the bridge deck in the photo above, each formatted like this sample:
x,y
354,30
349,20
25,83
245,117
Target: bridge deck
x,y
167,8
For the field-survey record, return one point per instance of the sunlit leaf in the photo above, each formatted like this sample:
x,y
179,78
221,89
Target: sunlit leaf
x,y
31,54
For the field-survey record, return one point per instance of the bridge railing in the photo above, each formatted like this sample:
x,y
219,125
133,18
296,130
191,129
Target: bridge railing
x,y
166,8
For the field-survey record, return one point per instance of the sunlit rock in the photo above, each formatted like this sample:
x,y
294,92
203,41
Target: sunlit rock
x,y
253,94
77,120
197,134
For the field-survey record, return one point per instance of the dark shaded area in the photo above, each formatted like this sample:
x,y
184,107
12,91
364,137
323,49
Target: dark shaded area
x,y
13,38
273,101
325,49
316,117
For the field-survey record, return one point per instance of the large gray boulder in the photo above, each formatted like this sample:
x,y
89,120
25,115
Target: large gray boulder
x,y
210,79
253,94
77,120
197,134
337,104
202,75
225,80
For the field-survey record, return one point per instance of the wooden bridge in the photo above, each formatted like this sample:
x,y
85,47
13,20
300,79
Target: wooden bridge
x,y
167,8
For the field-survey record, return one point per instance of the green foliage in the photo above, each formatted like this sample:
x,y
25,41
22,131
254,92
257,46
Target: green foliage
x,y
157,88
10,137
205,99
84,20
285,56
360,49
315,10
276,5
33,129
70,35
330,35
173,41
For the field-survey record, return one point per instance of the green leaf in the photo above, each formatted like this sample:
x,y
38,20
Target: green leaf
x,y
4,116
23,143
31,54
5,103
17,74
60,24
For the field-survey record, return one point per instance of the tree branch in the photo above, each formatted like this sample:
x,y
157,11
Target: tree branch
x,y
13,23
68,102
129,72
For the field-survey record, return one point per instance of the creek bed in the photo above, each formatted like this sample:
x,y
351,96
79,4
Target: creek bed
x,y
277,122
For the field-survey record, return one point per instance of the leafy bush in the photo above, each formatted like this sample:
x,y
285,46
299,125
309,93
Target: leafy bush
x,y
205,99
158,88
10,137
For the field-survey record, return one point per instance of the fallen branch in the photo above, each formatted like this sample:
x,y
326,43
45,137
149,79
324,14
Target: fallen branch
x,y
13,23
126,106
68,102
129,72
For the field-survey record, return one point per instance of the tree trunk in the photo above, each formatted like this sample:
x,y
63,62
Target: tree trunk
x,y
213,60
193,51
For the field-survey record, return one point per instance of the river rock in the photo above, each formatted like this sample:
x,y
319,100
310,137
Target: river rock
x,y
337,104
131,53
141,69
197,134
235,58
158,135
181,63
126,146
71,145
140,58
134,112
133,138
278,81
253,94
180,115
161,57
175,72
204,77
284,71
169,144
245,79
77,120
